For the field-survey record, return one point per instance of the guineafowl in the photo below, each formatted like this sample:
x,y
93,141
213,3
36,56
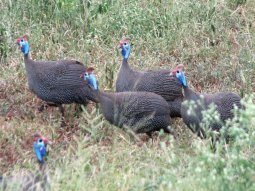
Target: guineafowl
x,y
27,180
56,82
157,82
224,102
143,112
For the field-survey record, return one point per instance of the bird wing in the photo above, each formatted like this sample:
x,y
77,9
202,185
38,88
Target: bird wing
x,y
62,74
160,83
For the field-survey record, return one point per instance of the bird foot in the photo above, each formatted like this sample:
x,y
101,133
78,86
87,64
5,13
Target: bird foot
x,y
42,107
63,124
170,131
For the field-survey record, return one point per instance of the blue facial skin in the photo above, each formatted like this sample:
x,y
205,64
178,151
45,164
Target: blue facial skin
x,y
40,150
24,46
181,77
126,49
91,79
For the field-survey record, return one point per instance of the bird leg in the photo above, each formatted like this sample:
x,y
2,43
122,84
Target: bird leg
x,y
170,131
45,105
42,167
149,134
62,110
42,107
201,133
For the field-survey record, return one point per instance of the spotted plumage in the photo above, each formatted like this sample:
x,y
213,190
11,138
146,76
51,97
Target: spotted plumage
x,y
157,82
55,82
224,102
143,112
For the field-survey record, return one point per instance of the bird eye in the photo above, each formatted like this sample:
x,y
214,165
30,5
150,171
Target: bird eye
x,y
40,140
178,71
21,40
125,43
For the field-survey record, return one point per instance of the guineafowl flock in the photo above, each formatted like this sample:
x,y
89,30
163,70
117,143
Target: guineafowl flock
x,y
144,101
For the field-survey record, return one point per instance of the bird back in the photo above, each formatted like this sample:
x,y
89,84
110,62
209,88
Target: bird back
x,y
58,81
224,102
143,111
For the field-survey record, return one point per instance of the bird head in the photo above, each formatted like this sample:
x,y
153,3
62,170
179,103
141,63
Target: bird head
x,y
87,72
90,78
179,67
125,48
40,145
23,45
179,74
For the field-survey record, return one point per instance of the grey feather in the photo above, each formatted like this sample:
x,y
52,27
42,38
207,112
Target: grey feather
x,y
158,82
26,181
143,112
224,102
58,81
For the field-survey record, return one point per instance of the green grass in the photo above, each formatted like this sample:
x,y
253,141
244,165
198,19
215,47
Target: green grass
x,y
215,40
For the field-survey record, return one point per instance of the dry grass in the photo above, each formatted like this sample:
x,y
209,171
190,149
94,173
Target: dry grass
x,y
215,41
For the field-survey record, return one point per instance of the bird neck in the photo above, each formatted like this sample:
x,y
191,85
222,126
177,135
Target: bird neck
x,y
98,95
190,94
125,64
27,57
103,95
29,64
42,176
107,101
42,168
124,73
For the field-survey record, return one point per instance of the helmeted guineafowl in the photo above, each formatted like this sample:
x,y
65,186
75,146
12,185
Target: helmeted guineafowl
x,y
26,180
143,112
157,82
224,102
56,82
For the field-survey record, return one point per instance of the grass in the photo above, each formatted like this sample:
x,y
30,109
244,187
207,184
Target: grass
x,y
215,40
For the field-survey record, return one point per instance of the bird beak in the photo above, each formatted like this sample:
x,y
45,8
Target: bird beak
x,y
120,45
18,43
178,67
81,76
173,73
